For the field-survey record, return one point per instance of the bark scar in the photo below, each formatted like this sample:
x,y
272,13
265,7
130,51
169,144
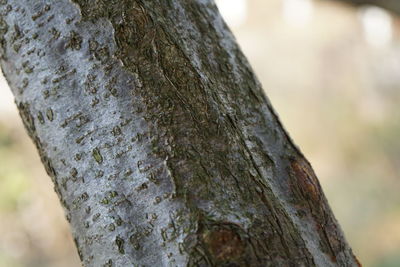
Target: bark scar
x,y
224,244
306,180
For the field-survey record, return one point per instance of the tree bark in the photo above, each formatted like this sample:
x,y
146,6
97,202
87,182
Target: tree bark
x,y
162,147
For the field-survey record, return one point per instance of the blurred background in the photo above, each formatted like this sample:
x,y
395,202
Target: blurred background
x,y
332,73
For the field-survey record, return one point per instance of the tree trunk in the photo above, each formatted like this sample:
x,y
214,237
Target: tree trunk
x,y
161,145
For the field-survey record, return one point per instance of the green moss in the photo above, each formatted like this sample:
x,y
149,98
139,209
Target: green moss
x,y
40,117
17,47
120,244
105,201
97,155
78,156
28,70
113,194
79,139
119,221
74,172
116,131
85,196
111,227
75,41
134,240
49,114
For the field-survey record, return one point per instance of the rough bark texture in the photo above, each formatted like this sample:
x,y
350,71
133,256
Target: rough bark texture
x,y
161,145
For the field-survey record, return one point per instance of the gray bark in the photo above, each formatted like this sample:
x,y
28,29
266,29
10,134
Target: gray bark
x,y
162,147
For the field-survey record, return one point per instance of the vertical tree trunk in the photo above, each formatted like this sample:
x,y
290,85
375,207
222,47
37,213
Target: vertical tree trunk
x,y
161,145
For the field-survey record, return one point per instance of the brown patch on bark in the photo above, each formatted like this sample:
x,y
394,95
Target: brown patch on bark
x,y
311,200
224,244
306,180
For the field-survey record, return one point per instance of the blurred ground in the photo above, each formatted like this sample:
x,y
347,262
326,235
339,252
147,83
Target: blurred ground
x,y
331,72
